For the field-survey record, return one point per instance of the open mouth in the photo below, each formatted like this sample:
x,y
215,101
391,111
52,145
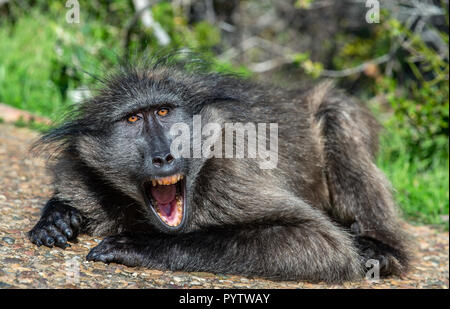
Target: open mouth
x,y
167,197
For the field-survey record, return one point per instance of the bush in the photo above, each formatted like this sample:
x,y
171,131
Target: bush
x,y
415,83
44,57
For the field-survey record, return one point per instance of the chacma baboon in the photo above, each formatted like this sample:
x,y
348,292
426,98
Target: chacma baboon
x,y
319,215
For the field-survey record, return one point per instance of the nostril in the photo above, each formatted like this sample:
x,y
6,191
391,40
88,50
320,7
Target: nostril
x,y
169,158
158,162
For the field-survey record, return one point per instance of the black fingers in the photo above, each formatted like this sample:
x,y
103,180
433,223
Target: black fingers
x,y
371,249
117,249
105,251
75,219
58,238
64,228
100,257
39,237
56,227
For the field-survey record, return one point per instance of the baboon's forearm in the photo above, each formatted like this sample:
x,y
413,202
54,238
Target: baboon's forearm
x,y
283,253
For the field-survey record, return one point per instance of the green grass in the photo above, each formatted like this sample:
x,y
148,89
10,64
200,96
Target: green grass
x,y
421,187
25,67
42,57
40,127
40,60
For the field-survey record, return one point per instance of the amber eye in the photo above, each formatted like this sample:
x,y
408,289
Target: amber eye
x,y
133,118
163,112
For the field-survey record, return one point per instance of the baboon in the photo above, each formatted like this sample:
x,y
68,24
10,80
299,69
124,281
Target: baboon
x,y
319,215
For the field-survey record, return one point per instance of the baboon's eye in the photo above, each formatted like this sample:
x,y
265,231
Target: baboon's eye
x,y
162,112
133,118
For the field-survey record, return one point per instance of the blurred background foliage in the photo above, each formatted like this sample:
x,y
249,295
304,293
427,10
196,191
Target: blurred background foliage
x,y
399,67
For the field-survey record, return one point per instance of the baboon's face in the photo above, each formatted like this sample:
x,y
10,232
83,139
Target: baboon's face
x,y
134,153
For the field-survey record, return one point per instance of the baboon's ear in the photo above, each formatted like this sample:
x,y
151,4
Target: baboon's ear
x,y
211,112
210,103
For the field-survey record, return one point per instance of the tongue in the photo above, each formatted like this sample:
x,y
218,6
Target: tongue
x,y
164,194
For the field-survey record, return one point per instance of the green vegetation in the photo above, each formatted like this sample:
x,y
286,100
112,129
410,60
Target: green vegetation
x,y
42,58
421,186
413,102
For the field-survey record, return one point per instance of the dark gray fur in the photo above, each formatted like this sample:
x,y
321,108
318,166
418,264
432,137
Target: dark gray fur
x,y
319,216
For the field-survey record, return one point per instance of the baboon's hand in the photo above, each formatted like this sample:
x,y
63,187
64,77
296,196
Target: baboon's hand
x,y
121,249
56,227
371,249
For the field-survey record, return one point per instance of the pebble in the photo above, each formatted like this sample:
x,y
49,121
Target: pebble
x,y
9,240
4,285
177,279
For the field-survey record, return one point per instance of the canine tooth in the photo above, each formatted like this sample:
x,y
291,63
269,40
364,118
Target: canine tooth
x,y
154,182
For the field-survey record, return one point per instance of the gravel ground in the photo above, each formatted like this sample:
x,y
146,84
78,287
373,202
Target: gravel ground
x,y
25,187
